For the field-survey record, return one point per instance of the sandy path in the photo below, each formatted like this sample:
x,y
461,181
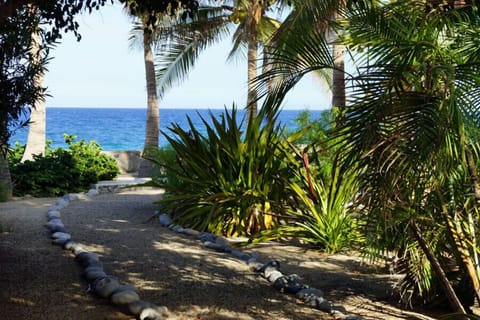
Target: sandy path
x,y
41,281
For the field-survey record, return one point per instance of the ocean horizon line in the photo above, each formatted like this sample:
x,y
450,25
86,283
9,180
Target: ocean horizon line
x,y
177,108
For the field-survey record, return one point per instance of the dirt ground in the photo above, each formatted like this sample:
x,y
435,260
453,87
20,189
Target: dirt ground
x,y
40,280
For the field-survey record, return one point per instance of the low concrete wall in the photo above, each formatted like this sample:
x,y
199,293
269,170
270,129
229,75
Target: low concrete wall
x,y
128,160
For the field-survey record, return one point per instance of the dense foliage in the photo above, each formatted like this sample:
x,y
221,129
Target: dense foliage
x,y
230,180
61,171
255,182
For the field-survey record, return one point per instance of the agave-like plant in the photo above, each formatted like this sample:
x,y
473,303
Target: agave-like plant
x,y
230,180
323,214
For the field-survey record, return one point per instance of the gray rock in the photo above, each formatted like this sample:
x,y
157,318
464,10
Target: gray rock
x,y
191,232
215,246
125,287
92,274
155,313
222,241
92,193
60,241
124,297
178,228
73,196
309,294
323,305
91,263
138,306
85,258
165,220
240,255
271,264
57,228
289,284
205,236
54,223
53,214
60,235
104,287
61,203
55,207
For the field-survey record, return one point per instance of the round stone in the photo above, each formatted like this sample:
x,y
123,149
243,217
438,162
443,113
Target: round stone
x,y
60,241
125,287
104,287
154,313
136,307
57,228
124,297
94,274
53,214
61,235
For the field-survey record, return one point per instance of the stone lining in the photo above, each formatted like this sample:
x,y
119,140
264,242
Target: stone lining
x,y
104,285
126,297
288,284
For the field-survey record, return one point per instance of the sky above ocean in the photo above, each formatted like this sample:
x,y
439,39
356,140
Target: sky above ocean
x,y
103,71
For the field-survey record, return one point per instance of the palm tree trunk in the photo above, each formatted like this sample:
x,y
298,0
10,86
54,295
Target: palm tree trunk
x,y
338,81
460,242
452,298
36,139
6,188
153,119
338,91
153,123
252,56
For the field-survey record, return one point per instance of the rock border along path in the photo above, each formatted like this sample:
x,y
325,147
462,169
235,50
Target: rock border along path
x,y
126,297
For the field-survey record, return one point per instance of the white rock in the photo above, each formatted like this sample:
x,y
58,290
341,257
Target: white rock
x,y
155,313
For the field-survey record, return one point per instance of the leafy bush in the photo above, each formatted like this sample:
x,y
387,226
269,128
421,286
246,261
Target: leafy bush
x,y
15,154
228,181
62,171
322,216
317,128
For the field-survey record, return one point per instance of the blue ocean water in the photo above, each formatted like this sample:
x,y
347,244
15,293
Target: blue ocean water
x,y
124,129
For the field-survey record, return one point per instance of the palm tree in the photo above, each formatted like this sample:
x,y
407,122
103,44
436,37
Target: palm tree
x,y
17,88
291,57
411,131
185,41
150,25
36,139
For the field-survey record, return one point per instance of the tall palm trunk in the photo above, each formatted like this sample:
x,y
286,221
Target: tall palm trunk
x,y
6,188
338,81
36,140
152,129
252,57
450,294
153,118
252,73
338,88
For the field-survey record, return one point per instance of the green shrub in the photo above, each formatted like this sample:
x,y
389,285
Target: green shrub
x,y
63,171
322,216
229,181
15,154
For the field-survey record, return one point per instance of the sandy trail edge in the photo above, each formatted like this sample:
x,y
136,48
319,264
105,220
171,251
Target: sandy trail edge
x,y
42,281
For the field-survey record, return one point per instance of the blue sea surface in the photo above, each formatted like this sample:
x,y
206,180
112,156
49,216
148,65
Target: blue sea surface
x,y
124,129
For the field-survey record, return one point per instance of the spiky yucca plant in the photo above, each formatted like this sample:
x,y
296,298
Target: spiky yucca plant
x,y
229,180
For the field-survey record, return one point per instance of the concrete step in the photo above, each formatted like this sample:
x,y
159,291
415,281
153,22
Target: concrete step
x,y
119,183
